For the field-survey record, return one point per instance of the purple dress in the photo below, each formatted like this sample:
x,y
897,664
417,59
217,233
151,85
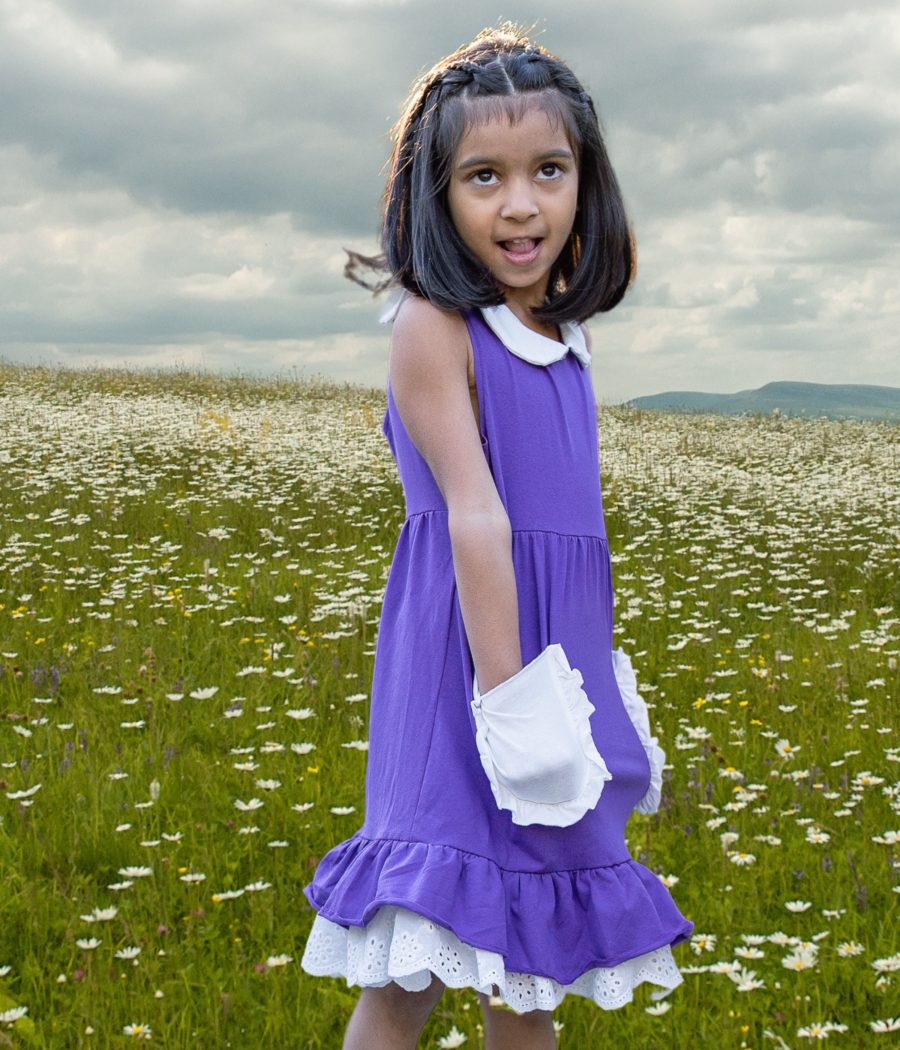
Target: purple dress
x,y
534,911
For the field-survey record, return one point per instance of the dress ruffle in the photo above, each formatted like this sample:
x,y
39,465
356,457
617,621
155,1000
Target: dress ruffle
x,y
640,718
402,946
599,917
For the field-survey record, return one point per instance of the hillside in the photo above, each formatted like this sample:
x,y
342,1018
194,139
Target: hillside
x,y
832,400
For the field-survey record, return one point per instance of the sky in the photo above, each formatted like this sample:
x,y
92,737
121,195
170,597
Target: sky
x,y
179,180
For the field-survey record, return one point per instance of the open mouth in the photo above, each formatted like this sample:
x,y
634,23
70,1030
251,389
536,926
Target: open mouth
x,y
521,250
520,245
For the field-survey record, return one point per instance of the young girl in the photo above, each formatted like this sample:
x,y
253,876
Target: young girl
x,y
507,742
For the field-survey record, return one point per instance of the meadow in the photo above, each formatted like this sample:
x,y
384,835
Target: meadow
x,y
191,572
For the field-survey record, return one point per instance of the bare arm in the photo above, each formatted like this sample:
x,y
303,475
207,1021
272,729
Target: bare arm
x,y
430,388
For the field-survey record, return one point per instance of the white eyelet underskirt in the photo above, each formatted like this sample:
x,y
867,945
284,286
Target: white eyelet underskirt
x,y
403,946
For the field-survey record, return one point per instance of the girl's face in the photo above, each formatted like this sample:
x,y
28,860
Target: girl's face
x,y
515,182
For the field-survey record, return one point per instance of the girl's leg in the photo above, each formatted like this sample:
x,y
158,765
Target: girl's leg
x,y
505,1030
390,1018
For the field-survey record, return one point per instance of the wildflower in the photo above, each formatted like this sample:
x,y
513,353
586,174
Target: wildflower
x,y
136,871
193,876
89,943
101,914
703,942
227,895
888,838
820,1029
741,858
131,952
800,959
278,960
657,1010
254,803
746,981
785,749
13,1015
255,887
888,1024
453,1039
140,1031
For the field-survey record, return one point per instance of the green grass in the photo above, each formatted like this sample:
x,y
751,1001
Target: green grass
x,y
192,570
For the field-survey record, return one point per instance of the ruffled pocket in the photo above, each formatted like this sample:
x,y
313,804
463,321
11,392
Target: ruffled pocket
x,y
534,740
637,712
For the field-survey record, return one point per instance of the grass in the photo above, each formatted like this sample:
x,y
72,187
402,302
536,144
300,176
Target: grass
x,y
192,570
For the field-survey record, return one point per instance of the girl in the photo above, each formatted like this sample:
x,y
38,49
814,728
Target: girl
x,y
497,788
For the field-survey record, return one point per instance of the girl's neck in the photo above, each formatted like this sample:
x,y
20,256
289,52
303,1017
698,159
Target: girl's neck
x,y
551,331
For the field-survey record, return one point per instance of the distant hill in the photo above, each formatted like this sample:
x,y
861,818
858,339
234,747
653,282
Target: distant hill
x,y
832,400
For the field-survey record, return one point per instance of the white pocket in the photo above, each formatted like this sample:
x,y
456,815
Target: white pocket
x,y
534,740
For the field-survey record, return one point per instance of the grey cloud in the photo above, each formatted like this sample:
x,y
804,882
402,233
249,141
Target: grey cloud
x,y
153,155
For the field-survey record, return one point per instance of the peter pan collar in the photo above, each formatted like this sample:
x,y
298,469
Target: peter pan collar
x,y
526,343
516,336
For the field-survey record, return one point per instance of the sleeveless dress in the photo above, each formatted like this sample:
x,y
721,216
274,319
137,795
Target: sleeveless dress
x,y
439,880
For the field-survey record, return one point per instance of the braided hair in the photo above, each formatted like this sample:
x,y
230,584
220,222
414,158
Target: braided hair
x,y
499,73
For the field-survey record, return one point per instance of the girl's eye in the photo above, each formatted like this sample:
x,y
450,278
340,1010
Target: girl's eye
x,y
557,171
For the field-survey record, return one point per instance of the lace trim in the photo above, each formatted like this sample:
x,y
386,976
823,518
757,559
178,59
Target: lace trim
x,y
403,946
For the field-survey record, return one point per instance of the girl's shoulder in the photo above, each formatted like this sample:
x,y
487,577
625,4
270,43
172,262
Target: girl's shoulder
x,y
418,307
427,332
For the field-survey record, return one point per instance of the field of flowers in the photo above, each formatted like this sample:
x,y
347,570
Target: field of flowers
x,y
191,573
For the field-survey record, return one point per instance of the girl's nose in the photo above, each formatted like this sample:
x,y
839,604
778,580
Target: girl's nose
x,y
520,202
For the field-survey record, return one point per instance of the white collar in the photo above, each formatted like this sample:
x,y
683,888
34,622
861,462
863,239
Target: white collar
x,y
516,336
526,343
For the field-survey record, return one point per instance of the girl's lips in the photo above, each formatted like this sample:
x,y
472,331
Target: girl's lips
x,y
521,258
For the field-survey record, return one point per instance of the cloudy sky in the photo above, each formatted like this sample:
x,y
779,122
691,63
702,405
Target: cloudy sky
x,y
178,180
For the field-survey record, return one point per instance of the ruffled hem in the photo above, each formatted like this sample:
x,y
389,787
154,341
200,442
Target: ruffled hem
x,y
640,718
400,945
556,924
560,681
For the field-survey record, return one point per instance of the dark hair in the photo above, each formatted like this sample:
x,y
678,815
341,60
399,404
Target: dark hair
x,y
499,72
